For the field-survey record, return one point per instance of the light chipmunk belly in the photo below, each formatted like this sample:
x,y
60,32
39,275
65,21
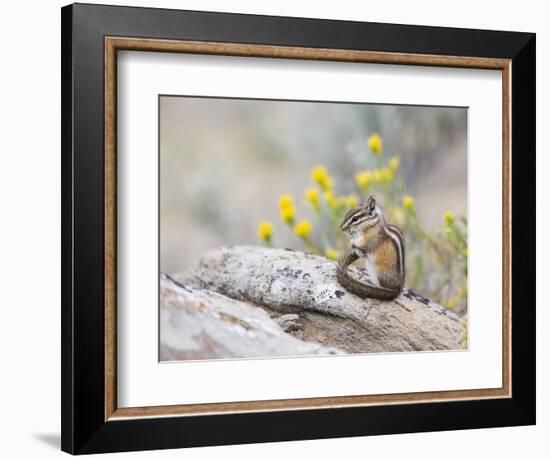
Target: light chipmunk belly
x,y
370,265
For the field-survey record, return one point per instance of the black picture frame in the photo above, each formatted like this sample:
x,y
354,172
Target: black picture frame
x,y
84,428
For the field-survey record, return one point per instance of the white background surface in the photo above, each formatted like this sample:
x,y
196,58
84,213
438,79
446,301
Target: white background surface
x,y
143,381
30,229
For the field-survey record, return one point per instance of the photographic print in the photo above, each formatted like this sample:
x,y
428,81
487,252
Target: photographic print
x,y
305,228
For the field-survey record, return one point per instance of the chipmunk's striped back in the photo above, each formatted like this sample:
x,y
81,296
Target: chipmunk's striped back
x,y
397,237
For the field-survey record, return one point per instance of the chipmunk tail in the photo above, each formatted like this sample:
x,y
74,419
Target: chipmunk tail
x,y
361,289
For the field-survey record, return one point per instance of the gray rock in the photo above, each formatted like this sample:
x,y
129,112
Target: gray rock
x,y
287,281
201,324
289,322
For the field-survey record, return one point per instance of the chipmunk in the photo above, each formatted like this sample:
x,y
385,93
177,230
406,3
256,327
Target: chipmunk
x,y
381,244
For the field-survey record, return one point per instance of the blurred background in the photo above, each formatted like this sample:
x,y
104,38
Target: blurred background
x,y
224,163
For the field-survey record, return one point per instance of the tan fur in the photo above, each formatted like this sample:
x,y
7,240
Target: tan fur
x,y
367,239
386,257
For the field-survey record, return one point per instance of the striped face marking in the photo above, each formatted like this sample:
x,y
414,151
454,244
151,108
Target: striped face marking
x,y
361,217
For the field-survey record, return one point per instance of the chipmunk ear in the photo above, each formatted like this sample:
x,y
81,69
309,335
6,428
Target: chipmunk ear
x,y
367,202
371,203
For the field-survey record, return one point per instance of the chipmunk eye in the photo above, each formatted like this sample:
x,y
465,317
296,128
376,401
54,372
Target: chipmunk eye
x,y
355,218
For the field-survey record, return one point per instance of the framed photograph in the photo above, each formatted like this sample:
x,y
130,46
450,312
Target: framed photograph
x,y
281,228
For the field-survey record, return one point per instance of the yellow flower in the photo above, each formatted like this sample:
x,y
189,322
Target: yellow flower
x,y
465,252
332,254
303,228
288,214
408,202
312,196
286,201
448,217
330,199
320,176
377,175
351,201
394,162
386,174
375,144
363,179
265,231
